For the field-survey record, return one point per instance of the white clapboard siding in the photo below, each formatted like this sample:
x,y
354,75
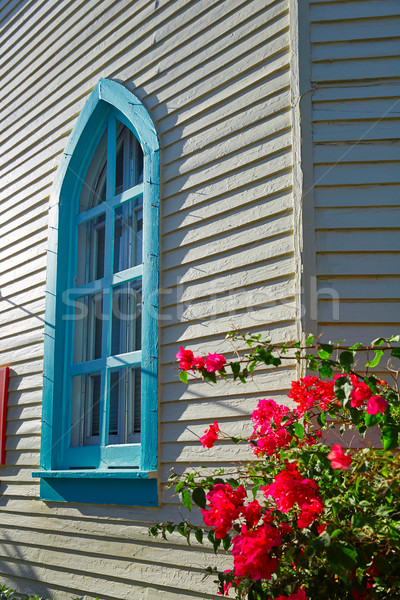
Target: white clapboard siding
x,y
215,79
355,53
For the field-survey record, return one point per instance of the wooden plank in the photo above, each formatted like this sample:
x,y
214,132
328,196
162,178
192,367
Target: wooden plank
x,y
375,288
356,240
361,49
379,152
337,11
357,173
363,263
351,70
362,312
358,196
388,217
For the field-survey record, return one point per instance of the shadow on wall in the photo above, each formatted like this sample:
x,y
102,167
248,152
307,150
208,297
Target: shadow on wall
x,y
15,571
13,12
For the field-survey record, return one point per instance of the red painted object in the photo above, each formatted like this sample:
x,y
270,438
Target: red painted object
x,y
4,372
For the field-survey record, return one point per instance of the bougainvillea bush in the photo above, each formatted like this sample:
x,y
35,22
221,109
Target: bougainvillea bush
x,y
305,520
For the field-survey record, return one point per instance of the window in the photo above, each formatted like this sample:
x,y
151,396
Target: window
x,y
100,391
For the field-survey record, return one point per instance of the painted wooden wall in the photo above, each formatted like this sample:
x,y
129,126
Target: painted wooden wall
x,y
215,79
355,68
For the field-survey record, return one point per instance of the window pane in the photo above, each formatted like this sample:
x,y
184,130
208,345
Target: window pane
x,y
88,328
85,418
128,235
95,182
91,239
124,416
129,163
126,332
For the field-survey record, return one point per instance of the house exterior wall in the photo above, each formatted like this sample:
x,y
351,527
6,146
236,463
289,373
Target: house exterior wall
x,y
215,78
355,48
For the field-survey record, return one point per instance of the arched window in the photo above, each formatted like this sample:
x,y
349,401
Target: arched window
x,y
100,391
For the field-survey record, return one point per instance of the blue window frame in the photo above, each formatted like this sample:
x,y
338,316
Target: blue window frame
x,y
100,390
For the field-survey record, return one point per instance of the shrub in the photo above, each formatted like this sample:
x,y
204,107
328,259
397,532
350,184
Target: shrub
x,y
304,521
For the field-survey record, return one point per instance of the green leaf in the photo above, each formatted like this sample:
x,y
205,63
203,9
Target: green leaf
x,y
199,497
346,359
226,542
328,348
325,370
198,534
336,533
390,437
371,420
395,352
235,366
342,555
309,340
210,377
378,342
183,376
187,499
299,430
170,527
323,354
179,487
321,419
375,361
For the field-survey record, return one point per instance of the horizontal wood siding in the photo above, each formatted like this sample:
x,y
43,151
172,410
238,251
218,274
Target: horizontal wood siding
x,y
355,48
215,78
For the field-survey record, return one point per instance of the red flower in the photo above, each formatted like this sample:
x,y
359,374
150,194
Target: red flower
x,y
375,405
199,362
210,435
339,460
360,393
251,549
311,391
289,489
215,362
252,513
186,358
224,508
269,435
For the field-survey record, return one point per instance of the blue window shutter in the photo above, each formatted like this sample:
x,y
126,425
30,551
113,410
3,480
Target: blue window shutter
x,y
108,101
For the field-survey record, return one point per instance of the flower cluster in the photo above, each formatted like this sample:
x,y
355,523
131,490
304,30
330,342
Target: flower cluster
x,y
188,361
310,501
224,508
290,489
251,552
312,391
210,435
269,435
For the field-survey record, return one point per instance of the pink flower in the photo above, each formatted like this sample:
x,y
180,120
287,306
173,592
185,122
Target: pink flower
x,y
251,550
199,362
289,489
375,405
339,460
224,507
252,513
210,435
269,435
215,362
186,358
360,393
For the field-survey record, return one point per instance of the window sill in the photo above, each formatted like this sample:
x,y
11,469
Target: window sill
x,y
122,487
